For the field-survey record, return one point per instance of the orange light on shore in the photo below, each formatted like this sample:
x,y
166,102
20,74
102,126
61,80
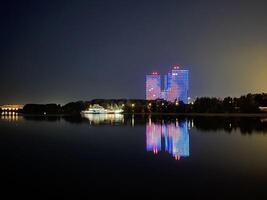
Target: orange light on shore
x,y
11,107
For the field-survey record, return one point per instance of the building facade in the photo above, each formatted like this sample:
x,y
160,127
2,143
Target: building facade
x,y
153,86
11,108
175,86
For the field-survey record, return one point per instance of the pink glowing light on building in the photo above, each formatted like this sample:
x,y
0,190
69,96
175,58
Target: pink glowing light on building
x,y
176,66
153,86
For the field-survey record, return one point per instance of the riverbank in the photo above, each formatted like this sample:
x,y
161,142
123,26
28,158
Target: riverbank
x,y
262,115
212,114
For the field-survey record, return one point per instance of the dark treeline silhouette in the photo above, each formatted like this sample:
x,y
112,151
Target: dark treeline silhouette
x,y
73,107
250,103
42,109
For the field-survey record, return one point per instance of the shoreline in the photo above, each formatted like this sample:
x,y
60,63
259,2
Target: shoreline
x,y
213,114
163,114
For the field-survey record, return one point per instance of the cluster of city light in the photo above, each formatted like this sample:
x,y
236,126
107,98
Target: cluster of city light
x,y
10,108
154,73
176,66
9,113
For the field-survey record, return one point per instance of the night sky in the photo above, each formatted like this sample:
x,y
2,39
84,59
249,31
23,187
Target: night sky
x,y
62,51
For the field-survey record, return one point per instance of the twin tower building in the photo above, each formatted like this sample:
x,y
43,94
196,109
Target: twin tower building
x,y
174,86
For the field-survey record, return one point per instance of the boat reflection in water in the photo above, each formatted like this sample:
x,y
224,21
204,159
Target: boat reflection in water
x,y
104,118
169,137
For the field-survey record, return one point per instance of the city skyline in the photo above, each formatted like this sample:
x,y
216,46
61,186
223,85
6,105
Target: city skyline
x,y
173,88
133,98
59,52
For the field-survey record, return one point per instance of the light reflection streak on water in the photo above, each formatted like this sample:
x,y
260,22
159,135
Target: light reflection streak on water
x,y
9,116
104,118
169,137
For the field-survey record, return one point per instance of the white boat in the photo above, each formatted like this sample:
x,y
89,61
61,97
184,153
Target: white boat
x,y
97,109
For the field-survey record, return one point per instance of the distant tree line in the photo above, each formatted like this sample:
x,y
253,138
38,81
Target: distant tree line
x,y
43,109
250,103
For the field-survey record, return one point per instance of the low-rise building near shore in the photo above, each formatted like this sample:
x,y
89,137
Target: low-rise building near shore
x,y
11,107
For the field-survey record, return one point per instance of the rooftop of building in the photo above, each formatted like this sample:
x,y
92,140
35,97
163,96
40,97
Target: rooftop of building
x,y
11,106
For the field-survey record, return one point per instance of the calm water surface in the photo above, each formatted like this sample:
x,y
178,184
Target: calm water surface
x,y
204,157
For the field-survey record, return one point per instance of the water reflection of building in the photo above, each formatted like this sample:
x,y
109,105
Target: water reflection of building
x,y
169,137
10,116
104,118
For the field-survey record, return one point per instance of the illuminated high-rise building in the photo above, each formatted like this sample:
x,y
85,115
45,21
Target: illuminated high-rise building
x,y
175,85
153,86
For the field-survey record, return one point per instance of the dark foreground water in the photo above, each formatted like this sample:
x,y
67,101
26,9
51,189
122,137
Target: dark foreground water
x,y
142,156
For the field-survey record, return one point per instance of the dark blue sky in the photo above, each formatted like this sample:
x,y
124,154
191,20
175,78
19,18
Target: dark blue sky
x,y
61,51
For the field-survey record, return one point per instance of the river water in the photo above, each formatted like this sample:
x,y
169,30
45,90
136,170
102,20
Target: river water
x,y
127,155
